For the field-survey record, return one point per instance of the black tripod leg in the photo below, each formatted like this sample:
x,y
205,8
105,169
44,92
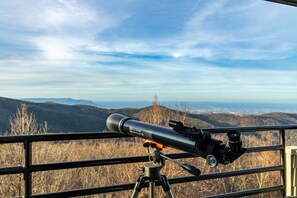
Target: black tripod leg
x,y
138,186
166,186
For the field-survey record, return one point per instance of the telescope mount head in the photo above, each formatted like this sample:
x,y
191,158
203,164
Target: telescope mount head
x,y
158,158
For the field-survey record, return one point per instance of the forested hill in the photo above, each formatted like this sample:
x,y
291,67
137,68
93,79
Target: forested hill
x,y
60,118
83,118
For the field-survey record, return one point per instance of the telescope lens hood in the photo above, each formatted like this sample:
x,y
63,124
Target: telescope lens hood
x,y
115,122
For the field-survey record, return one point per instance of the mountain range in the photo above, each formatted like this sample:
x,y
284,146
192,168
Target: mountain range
x,y
66,101
88,118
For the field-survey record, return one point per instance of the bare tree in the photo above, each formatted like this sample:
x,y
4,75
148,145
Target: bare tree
x,y
24,123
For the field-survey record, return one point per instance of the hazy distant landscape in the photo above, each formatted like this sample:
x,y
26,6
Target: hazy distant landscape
x,y
194,106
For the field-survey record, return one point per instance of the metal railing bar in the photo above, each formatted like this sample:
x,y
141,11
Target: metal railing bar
x,y
27,164
100,162
226,174
111,161
130,186
264,148
125,160
59,136
86,163
249,192
251,129
282,141
105,135
12,170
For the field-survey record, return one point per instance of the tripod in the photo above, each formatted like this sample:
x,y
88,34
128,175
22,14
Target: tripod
x,y
151,172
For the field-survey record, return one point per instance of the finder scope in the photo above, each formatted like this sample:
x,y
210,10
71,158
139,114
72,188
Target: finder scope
x,y
192,140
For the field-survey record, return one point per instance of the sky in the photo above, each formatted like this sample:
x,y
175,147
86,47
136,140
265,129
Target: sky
x,y
130,50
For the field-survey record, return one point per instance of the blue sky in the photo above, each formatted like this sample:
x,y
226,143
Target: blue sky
x,y
214,50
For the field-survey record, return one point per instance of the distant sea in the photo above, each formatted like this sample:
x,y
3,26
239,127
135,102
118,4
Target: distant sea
x,y
210,107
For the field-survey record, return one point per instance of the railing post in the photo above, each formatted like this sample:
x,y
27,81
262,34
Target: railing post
x,y
282,139
27,173
291,171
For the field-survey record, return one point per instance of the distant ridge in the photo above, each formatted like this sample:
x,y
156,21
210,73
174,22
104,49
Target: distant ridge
x,y
66,101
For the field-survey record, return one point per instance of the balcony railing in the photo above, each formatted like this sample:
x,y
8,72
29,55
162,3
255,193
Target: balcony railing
x,y
28,168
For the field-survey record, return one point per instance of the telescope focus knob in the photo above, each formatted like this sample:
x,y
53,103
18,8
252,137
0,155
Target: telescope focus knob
x,y
211,161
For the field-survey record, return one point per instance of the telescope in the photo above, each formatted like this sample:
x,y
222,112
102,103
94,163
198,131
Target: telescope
x,y
189,139
192,140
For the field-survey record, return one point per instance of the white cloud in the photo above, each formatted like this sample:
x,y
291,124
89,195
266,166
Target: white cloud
x,y
247,30
55,15
58,29
221,30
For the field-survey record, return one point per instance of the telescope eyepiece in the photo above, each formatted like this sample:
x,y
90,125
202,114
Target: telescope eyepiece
x,y
233,135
